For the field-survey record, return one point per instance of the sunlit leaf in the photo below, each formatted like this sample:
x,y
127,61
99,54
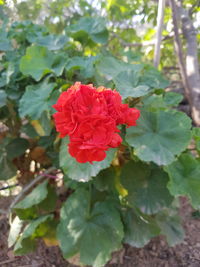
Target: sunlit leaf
x,y
95,232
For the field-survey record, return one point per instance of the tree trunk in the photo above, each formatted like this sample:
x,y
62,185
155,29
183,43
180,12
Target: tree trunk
x,y
192,66
188,64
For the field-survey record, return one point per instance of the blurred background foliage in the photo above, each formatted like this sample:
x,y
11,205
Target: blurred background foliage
x,y
131,24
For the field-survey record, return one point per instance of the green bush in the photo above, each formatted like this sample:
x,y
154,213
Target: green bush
x,y
129,197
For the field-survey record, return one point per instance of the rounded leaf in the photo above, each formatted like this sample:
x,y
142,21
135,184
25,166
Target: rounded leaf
x,y
160,135
147,187
82,172
139,228
93,232
184,176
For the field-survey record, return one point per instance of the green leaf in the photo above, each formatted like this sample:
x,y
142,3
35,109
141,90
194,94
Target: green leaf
x,y
3,81
196,136
172,99
5,44
37,62
59,63
7,169
46,141
49,203
184,176
85,64
45,122
3,97
26,243
111,67
126,83
36,100
154,102
82,172
160,135
95,28
153,78
139,228
38,194
171,227
147,187
41,200
29,130
17,147
95,233
52,42
105,180
25,246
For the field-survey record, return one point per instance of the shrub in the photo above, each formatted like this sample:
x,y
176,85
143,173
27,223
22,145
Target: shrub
x,y
130,196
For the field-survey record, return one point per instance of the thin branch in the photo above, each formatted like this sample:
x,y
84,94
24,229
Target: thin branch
x,y
160,19
8,187
144,43
29,186
122,42
7,261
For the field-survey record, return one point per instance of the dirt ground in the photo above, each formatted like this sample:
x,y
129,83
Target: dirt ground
x,y
155,254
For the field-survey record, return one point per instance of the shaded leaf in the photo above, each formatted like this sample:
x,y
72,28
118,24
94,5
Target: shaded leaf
x,y
7,168
95,28
105,180
139,228
196,136
17,147
29,130
3,97
25,244
147,187
170,226
38,194
41,200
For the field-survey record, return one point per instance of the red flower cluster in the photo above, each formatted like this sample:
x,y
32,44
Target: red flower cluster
x,y
90,117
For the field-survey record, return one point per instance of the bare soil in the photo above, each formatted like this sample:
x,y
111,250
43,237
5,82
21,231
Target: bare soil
x,y
155,254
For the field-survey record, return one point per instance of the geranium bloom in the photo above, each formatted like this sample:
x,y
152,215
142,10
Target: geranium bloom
x,y
89,116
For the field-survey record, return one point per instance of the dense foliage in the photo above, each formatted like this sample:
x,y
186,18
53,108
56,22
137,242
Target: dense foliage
x,y
130,196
